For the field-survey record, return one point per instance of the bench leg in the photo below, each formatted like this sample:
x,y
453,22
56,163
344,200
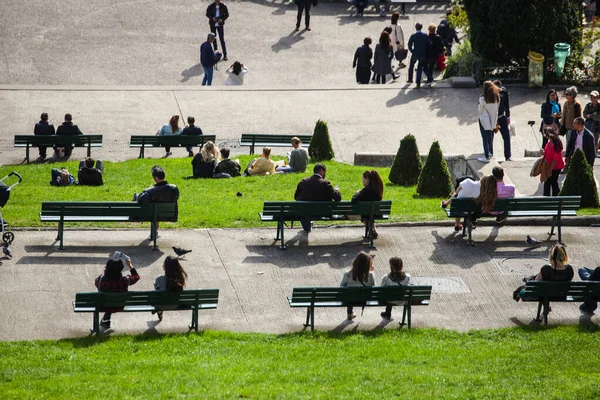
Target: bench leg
x,y
370,223
404,310
469,229
553,225
153,235
558,227
194,325
96,328
61,227
282,246
307,323
27,153
89,150
409,314
278,229
539,311
546,311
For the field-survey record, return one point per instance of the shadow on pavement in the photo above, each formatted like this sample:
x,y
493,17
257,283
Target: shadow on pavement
x,y
191,72
286,42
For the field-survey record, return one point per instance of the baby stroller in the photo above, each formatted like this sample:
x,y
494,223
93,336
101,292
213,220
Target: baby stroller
x,y
7,237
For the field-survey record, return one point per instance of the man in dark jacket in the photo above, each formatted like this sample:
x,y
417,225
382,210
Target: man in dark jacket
x,y
448,34
434,50
362,61
303,5
217,14
88,175
191,130
161,192
580,138
43,128
68,129
227,166
316,188
208,59
417,44
504,118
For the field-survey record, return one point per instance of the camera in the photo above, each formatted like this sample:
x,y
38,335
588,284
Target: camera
x,y
120,256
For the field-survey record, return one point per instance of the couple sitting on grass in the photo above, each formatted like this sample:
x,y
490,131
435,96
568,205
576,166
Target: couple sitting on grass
x,y
361,274
89,174
112,280
485,192
263,165
206,163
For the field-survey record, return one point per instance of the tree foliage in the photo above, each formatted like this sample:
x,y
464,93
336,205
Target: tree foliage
x,y
580,181
407,164
435,180
320,146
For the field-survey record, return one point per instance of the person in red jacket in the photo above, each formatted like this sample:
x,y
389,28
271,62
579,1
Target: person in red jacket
x,y
553,154
113,281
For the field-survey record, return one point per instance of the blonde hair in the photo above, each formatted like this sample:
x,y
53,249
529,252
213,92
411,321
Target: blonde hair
x,y
296,140
558,255
432,27
209,152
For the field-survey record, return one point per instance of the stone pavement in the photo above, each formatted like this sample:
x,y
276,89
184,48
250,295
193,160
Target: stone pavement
x,y
472,285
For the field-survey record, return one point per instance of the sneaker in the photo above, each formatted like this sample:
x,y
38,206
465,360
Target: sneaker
x,y
458,228
225,58
418,85
409,81
385,315
351,316
501,219
105,324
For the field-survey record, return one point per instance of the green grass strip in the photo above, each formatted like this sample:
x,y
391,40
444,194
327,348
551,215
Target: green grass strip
x,y
516,363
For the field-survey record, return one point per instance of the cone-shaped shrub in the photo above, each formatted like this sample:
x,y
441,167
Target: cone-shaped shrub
x,y
580,181
407,164
320,145
435,178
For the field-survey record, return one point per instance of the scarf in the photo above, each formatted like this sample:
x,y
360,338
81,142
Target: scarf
x,y
554,107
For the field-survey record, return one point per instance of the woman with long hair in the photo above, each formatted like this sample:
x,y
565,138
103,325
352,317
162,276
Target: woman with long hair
x,y
173,280
360,275
172,128
397,37
382,62
550,113
372,191
487,194
205,161
553,155
488,116
396,277
236,73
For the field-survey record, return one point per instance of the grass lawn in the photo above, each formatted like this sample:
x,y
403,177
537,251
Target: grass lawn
x,y
203,202
531,363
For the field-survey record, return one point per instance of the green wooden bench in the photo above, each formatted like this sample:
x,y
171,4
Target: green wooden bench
x,y
28,141
251,140
98,211
545,292
142,141
96,302
313,297
284,211
535,206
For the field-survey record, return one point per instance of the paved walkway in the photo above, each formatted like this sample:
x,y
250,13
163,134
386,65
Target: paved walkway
x,y
472,285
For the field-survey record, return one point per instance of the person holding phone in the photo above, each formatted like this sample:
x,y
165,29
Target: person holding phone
x,y
112,280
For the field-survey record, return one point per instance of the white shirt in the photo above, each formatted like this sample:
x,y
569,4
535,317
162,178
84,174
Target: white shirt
x,y
469,188
488,114
235,80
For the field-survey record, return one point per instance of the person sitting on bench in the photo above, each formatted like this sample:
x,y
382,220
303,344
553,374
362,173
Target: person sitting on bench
x,y
67,129
161,192
89,175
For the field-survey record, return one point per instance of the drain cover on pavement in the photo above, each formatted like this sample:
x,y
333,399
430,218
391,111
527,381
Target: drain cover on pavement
x,y
521,265
450,284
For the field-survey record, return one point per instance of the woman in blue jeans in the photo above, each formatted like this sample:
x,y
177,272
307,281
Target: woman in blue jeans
x,y
488,116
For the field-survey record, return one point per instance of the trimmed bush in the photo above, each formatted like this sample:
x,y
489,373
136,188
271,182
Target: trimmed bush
x,y
320,146
506,30
407,164
435,180
580,181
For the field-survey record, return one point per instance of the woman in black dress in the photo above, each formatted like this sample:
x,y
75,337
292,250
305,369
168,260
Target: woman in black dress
x,y
382,65
372,191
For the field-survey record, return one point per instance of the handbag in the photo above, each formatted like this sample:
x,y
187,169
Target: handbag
x,y
401,54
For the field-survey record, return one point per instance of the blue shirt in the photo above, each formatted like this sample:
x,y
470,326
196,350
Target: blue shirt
x,y
207,55
417,44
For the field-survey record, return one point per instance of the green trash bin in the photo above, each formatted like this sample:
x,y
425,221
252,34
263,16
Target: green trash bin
x,y
536,69
561,52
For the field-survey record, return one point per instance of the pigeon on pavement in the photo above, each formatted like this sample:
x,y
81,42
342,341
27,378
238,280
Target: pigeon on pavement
x,y
180,252
531,241
6,250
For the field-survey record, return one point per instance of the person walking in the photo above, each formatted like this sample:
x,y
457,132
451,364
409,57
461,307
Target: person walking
x,y
362,61
591,113
434,50
488,116
417,44
571,109
304,6
550,114
217,13
504,118
553,156
208,59
397,37
382,62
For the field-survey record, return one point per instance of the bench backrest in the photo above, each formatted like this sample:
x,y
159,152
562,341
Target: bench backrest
x,y
188,298
249,139
576,289
326,208
171,140
534,203
360,294
112,209
49,140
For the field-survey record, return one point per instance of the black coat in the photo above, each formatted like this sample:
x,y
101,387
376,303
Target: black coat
x,y
435,48
90,177
68,129
315,188
365,194
228,166
192,130
43,128
362,57
211,12
587,144
162,192
201,168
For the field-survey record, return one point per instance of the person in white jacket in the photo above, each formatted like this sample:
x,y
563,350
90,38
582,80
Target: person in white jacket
x,y
488,116
236,73
396,277
397,37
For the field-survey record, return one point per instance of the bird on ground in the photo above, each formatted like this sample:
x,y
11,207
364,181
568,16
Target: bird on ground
x,y
180,252
531,241
6,250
